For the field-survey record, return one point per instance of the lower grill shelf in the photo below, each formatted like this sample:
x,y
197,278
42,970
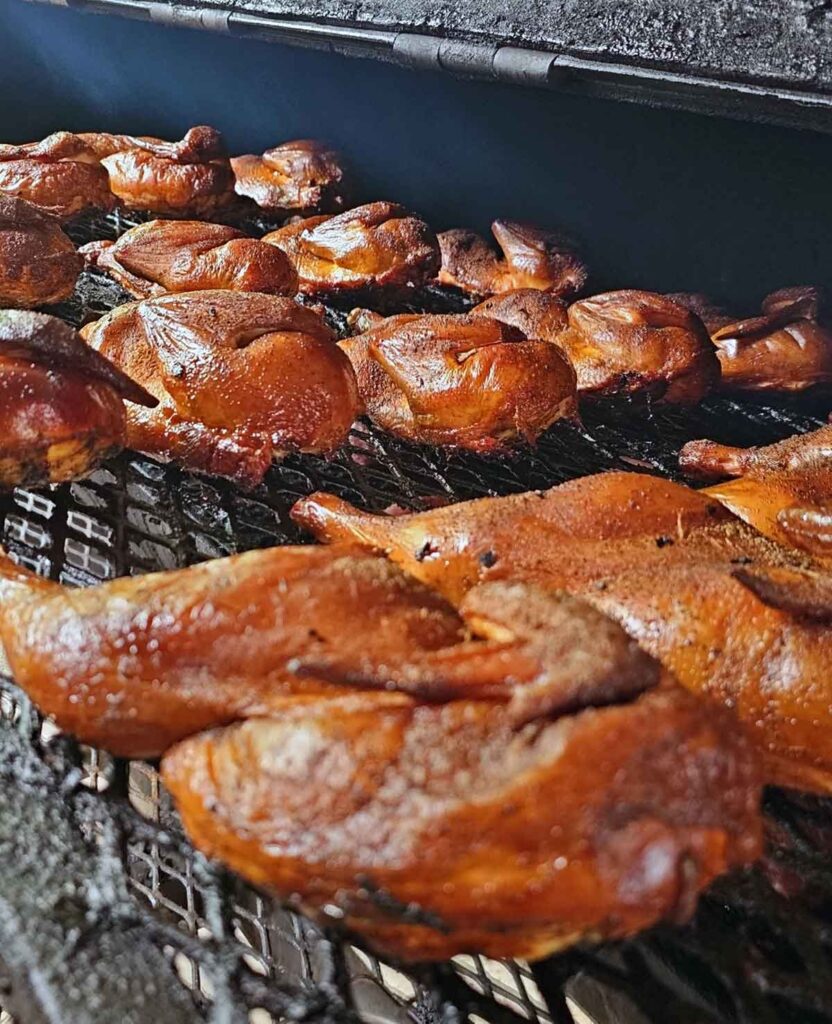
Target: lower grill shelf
x,y
758,951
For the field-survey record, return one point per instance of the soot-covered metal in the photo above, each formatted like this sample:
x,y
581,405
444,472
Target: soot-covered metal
x,y
107,913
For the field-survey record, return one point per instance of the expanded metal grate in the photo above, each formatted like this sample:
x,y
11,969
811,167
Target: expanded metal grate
x,y
758,951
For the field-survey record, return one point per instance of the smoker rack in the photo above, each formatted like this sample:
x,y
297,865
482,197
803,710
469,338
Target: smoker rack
x,y
758,951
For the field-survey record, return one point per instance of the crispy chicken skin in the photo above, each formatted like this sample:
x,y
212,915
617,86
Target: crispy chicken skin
x,y
464,381
164,256
135,664
61,408
302,177
629,342
784,490
59,175
379,245
241,377
540,315
38,263
531,258
430,831
735,616
786,348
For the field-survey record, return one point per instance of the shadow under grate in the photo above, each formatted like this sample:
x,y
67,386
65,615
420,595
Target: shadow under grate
x,y
760,947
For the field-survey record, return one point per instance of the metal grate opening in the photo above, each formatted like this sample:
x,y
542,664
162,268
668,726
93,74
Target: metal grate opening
x,y
760,947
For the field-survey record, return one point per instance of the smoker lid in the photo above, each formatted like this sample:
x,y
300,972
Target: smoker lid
x,y
767,60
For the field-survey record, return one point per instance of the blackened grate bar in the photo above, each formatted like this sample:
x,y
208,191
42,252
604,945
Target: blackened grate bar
x,y
758,952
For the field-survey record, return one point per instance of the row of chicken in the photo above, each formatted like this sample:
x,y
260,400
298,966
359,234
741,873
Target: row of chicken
x,y
501,726
232,357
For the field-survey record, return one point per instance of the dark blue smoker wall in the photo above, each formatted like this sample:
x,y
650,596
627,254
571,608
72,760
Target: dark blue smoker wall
x,y
663,200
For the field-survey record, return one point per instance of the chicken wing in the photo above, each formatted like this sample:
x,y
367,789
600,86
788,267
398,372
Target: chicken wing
x,y
465,381
302,177
787,348
630,342
531,258
784,490
38,263
59,175
135,664
61,408
735,616
188,255
430,831
379,245
241,378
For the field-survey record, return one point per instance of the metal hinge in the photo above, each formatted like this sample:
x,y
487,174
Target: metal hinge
x,y
474,60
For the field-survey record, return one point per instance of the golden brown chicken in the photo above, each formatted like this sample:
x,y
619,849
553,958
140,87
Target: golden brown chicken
x,y
241,378
67,173
531,258
61,408
379,245
138,663
630,342
735,616
784,490
435,830
60,175
540,315
787,348
302,177
711,313
38,263
188,255
465,381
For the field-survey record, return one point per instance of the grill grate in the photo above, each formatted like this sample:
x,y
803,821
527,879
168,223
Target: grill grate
x,y
760,948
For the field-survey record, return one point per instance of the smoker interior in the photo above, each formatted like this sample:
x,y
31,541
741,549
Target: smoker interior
x,y
665,201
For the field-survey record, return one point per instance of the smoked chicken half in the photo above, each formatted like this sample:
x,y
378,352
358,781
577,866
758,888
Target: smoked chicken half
x,y
61,403
531,258
137,663
38,263
465,381
379,245
630,342
66,173
302,177
784,490
189,255
432,830
241,378
733,615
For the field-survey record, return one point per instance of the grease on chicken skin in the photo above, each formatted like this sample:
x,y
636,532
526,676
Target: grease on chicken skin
x,y
594,825
629,342
379,245
38,263
531,258
465,381
161,256
137,663
301,177
61,404
241,378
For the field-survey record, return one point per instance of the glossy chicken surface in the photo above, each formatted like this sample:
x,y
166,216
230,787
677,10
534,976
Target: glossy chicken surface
x,y
531,258
38,263
61,404
784,490
435,830
60,175
164,256
465,381
137,663
379,245
788,347
735,616
241,378
630,342
301,177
